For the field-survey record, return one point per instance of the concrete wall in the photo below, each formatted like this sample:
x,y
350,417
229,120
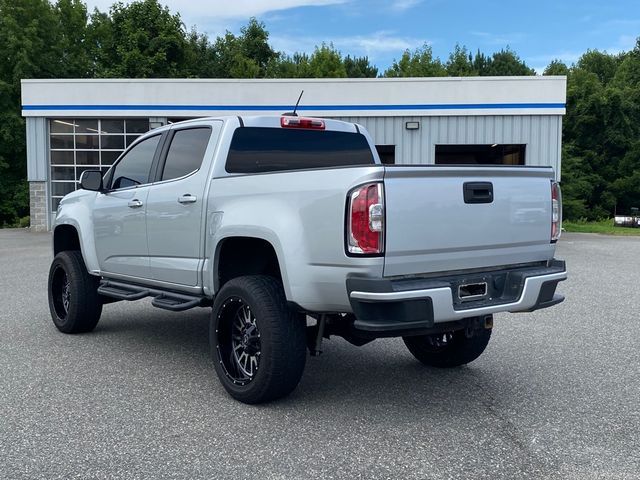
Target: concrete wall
x,y
39,206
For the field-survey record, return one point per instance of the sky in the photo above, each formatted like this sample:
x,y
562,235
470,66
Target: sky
x,y
538,31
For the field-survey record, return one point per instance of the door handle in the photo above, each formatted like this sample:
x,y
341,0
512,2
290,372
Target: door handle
x,y
478,192
135,203
187,198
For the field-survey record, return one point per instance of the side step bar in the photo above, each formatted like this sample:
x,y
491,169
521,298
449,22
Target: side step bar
x,y
176,302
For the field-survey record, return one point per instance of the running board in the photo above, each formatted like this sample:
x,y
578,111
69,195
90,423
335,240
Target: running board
x,y
176,302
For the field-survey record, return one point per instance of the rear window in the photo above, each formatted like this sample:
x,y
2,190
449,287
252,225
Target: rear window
x,y
259,149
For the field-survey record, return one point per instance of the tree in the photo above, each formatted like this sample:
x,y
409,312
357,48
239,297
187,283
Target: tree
x,y
460,63
29,47
290,66
480,63
419,63
254,45
247,55
601,135
141,39
506,63
200,58
230,60
556,67
326,62
359,67
604,66
74,37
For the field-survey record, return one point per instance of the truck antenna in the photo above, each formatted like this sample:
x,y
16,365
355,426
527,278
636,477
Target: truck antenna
x,y
294,114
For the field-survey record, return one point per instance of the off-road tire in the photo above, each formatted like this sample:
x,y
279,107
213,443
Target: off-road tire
x,y
79,309
281,339
459,350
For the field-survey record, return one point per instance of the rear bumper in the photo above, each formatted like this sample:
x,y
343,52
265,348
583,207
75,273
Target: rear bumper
x,y
385,305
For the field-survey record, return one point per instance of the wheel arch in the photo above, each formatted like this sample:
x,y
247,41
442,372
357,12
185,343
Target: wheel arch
x,y
68,235
65,237
245,255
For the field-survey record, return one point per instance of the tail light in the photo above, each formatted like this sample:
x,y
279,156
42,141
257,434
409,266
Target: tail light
x,y
556,211
365,220
298,122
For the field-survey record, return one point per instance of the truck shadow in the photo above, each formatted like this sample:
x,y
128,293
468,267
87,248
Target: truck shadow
x,y
375,378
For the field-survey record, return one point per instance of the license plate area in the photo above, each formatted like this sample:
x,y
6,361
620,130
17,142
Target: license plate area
x,y
472,291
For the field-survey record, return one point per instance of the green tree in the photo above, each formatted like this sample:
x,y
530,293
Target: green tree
x,y
230,61
138,40
200,58
603,65
556,67
601,135
480,63
29,47
359,67
326,62
290,66
419,63
460,63
247,55
75,60
506,62
254,45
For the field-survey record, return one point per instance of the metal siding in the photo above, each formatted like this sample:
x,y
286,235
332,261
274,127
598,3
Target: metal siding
x,y
540,133
37,149
558,149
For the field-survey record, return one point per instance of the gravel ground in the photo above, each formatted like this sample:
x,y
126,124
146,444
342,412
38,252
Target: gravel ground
x,y
555,395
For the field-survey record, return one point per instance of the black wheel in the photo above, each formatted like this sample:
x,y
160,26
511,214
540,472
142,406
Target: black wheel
x,y
258,344
449,349
74,301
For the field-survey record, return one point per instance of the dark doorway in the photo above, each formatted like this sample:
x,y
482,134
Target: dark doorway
x,y
387,154
480,154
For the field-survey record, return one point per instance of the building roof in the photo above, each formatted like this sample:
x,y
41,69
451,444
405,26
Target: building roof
x,y
441,96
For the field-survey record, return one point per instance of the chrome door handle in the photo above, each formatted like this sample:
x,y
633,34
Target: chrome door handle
x,y
135,203
187,199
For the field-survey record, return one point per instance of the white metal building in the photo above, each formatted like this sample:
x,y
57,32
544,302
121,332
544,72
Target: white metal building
x,y
73,125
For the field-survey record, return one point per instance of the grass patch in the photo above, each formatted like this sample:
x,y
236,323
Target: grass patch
x,y
601,226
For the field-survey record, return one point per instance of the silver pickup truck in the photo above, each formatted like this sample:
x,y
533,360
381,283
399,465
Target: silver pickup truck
x,y
291,230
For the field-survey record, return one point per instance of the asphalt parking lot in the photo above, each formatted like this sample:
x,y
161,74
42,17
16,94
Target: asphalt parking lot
x,y
555,395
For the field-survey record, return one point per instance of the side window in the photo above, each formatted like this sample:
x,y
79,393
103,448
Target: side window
x,y
133,169
185,152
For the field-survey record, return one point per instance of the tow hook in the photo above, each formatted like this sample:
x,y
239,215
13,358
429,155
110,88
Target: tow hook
x,y
488,322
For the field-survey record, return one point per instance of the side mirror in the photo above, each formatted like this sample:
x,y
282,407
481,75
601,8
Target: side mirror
x,y
91,180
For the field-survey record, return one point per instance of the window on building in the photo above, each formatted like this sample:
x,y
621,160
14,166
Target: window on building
x,y
186,152
77,145
134,168
495,154
387,154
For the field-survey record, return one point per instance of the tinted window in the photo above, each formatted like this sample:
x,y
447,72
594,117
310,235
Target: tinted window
x,y
256,149
133,168
186,152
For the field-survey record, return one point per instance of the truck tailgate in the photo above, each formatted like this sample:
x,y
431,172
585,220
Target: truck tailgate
x,y
432,227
